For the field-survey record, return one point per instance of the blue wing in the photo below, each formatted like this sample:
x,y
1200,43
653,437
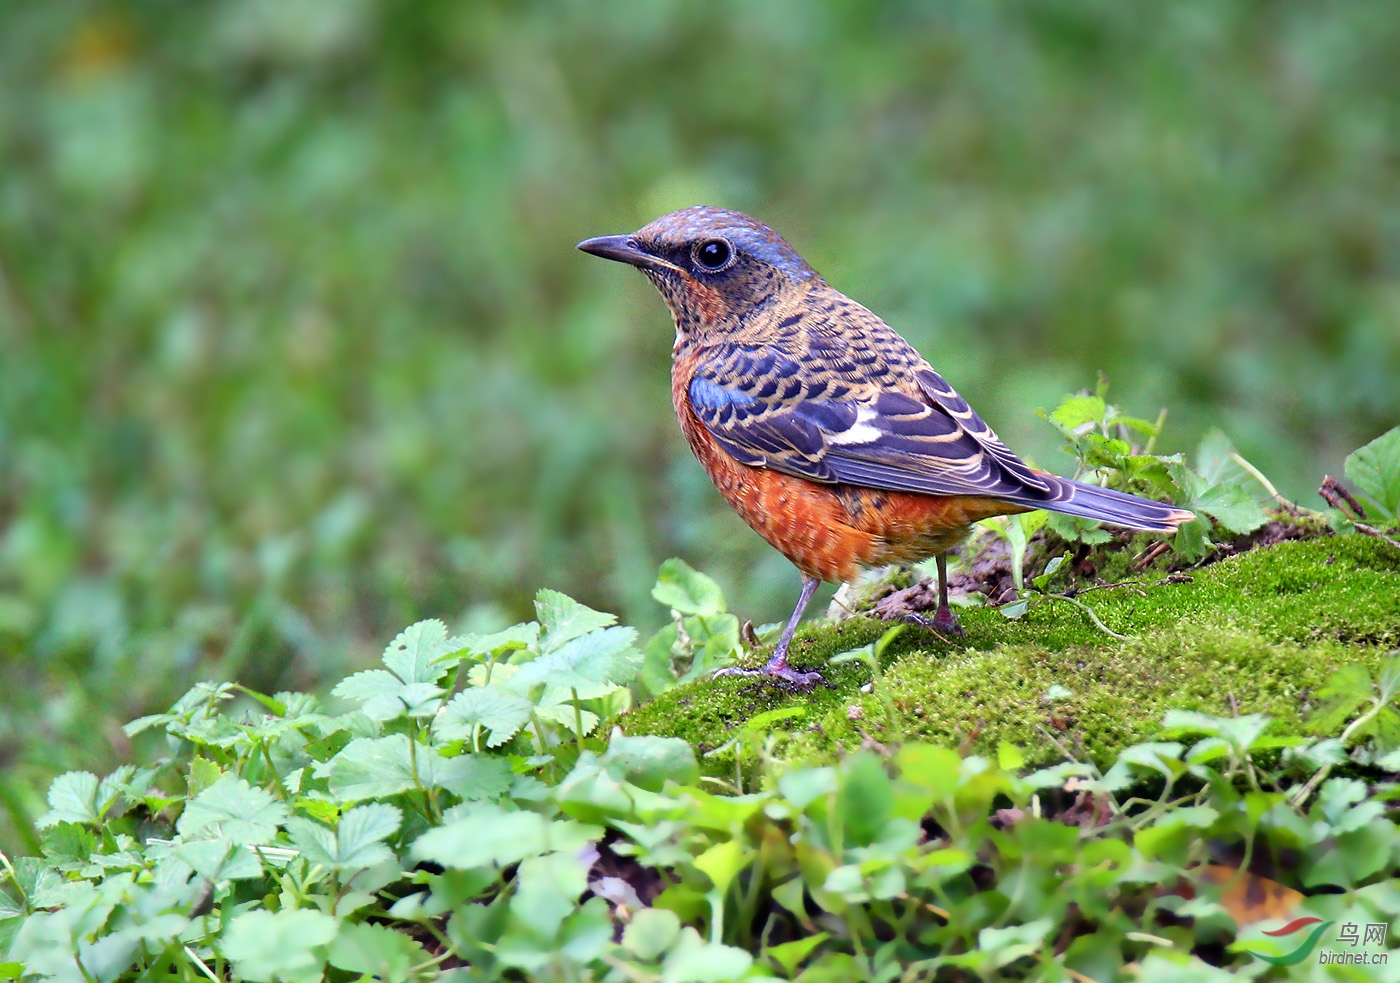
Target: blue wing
x,y
770,408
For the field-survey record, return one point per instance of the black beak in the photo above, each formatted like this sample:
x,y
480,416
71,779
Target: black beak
x,y
623,249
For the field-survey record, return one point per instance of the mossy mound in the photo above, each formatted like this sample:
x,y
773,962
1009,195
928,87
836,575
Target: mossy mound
x,y
1260,632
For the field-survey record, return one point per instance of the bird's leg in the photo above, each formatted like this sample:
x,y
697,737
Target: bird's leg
x,y
944,620
777,667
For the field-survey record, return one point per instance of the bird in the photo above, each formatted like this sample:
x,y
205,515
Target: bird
x,y
828,433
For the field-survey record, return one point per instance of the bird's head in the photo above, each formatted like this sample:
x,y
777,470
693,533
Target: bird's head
x,y
713,267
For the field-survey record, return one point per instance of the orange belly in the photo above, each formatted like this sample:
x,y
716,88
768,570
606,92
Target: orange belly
x,y
832,532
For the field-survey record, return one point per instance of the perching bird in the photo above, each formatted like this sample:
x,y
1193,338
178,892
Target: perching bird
x,y
823,428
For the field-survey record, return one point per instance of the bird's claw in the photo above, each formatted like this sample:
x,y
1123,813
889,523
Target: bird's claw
x,y
784,676
944,622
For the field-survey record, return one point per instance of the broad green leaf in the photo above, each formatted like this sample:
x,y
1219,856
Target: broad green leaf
x,y
1232,507
680,586
490,834
563,618
375,950
1375,470
648,762
802,786
522,636
499,712
1215,459
355,843
234,811
693,960
288,945
373,767
1077,411
591,664
722,862
416,654
384,697
789,955
650,932
473,776
72,799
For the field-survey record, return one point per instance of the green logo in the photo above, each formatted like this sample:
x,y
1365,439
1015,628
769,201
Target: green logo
x,y
1304,948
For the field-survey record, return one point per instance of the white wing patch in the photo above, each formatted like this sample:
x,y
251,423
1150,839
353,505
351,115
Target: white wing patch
x,y
860,432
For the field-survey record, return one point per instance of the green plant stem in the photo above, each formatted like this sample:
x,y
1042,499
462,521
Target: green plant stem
x,y
1376,707
578,719
1156,429
1089,613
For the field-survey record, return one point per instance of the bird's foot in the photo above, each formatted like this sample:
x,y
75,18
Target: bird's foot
x,y
781,674
945,622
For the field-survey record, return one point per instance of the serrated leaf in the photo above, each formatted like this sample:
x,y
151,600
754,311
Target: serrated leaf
x,y
522,636
649,762
1215,459
474,776
375,950
1076,411
1074,529
492,835
500,712
287,945
415,653
366,685
384,697
233,810
558,706
563,618
591,664
72,799
693,960
683,588
1375,470
374,767
355,843
1232,507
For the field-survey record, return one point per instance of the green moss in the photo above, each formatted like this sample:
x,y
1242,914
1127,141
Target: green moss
x,y
1258,632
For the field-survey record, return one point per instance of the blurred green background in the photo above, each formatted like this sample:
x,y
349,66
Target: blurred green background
x,y
295,347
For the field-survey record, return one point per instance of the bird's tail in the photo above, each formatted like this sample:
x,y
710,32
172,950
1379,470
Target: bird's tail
x,y
1106,505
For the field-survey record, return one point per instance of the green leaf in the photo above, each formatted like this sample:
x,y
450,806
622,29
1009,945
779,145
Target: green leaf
x,y
693,960
234,811
375,950
416,653
514,638
1072,528
356,842
563,618
1375,470
496,710
650,932
1232,507
593,664
1076,411
286,945
72,799
789,955
722,862
384,697
681,587
648,762
489,834
374,767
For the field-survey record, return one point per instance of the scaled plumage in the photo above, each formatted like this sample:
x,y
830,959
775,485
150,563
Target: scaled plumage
x,y
824,429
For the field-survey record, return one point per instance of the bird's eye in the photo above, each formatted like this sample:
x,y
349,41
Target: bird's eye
x,y
713,255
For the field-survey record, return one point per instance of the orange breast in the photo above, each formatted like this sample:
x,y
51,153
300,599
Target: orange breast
x,y
830,531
